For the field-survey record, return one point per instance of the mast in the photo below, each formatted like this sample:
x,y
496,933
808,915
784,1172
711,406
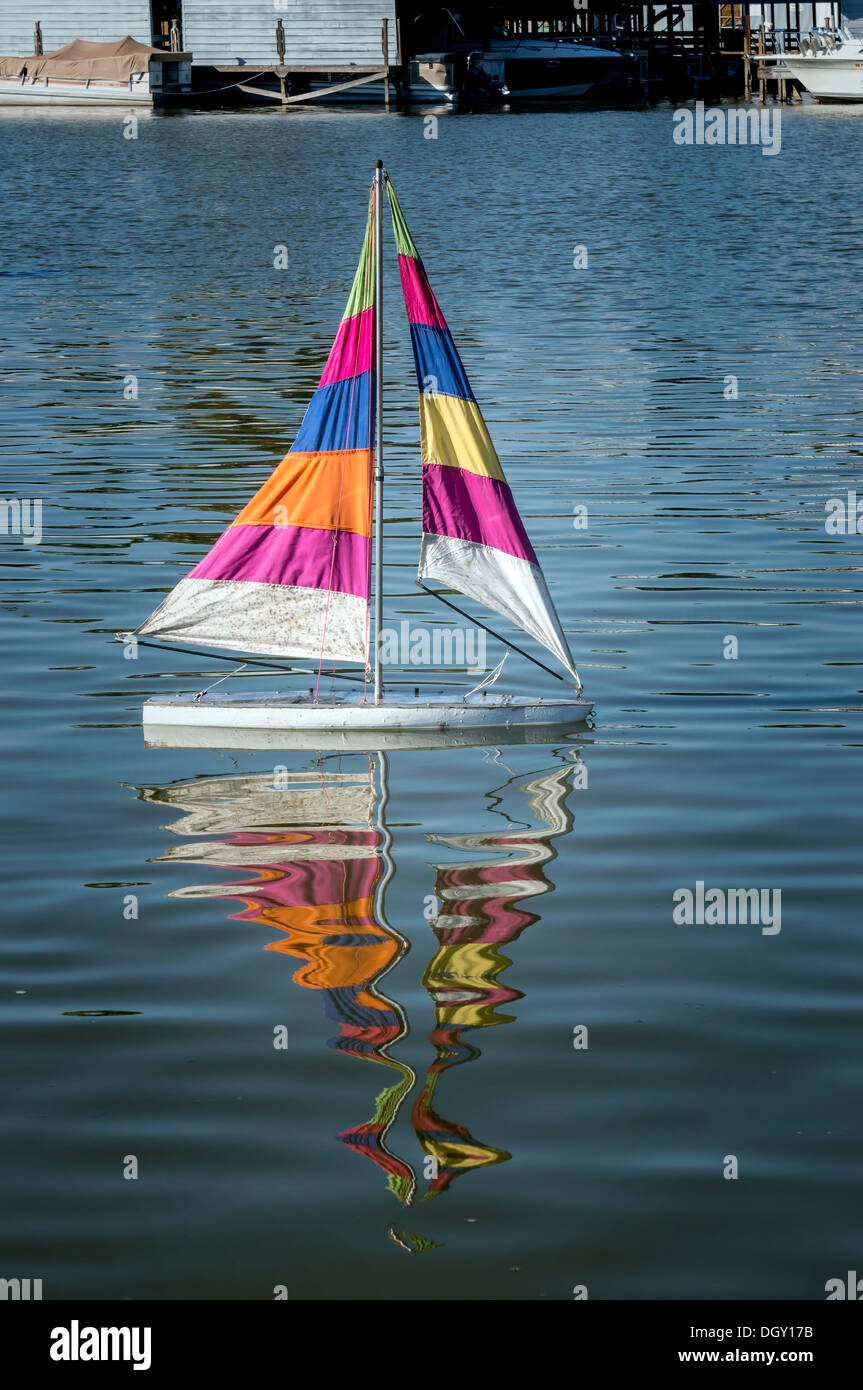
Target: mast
x,y
379,422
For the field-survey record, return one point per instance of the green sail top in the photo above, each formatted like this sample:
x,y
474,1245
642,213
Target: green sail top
x,y
362,295
404,241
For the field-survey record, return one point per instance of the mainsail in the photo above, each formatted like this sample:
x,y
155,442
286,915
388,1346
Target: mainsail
x,y
473,537
291,575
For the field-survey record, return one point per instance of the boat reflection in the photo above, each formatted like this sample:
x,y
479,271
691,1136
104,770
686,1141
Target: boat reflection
x,y
320,849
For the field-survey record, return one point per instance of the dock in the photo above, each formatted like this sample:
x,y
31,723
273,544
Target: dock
x,y
293,52
678,51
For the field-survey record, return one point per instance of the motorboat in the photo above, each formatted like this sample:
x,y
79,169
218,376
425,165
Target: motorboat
x,y
504,69
829,64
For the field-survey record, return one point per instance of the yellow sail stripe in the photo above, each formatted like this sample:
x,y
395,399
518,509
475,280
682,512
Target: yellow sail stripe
x,y
453,432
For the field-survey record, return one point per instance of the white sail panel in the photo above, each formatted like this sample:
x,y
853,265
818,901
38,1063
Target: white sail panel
x,y
509,585
273,620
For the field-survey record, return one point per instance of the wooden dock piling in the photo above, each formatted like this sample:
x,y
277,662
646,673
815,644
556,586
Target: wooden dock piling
x,y
281,71
385,44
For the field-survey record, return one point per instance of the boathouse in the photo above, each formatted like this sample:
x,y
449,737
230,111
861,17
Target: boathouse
x,y
218,33
293,49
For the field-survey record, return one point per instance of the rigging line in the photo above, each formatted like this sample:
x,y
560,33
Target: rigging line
x,y
243,660
490,677
335,540
227,676
485,628
370,292
364,257
217,91
369,288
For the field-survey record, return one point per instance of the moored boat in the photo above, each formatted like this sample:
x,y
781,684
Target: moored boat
x,y
550,69
96,74
829,64
501,69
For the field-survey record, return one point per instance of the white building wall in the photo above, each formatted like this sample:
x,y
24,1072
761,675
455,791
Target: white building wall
x,y
102,21
316,31
784,15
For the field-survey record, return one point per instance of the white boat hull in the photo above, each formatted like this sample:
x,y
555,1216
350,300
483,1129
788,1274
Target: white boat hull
x,y
829,66
295,721
52,91
828,78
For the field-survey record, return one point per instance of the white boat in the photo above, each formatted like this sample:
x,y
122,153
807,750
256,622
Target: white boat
x,y
292,576
549,69
829,64
517,69
126,73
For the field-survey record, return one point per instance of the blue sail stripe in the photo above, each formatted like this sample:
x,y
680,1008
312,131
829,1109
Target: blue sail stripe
x,y
340,416
438,366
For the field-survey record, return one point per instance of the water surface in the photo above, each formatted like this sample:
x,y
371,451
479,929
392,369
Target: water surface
x,y
430,1132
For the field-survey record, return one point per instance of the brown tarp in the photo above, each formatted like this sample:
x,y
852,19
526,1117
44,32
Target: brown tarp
x,y
108,62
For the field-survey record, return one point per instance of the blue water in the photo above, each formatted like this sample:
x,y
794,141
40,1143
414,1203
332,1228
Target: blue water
x,y
482,1155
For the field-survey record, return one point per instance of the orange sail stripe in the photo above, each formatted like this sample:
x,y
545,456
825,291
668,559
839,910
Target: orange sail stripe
x,y
328,491
312,935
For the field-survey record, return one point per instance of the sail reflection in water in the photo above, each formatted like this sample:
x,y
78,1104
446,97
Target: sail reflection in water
x,y
319,864
479,914
319,848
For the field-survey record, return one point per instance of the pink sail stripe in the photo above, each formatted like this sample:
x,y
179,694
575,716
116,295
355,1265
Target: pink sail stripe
x,y
421,305
465,506
321,882
295,555
336,836
353,348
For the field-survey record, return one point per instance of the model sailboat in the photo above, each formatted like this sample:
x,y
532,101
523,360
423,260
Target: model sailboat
x,y
292,575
